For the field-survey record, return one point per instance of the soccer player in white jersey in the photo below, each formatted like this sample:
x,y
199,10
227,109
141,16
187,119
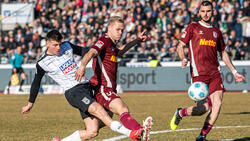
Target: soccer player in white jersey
x,y
204,42
59,64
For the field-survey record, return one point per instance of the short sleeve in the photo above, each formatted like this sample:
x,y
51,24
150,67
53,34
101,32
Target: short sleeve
x,y
39,70
220,43
99,45
187,34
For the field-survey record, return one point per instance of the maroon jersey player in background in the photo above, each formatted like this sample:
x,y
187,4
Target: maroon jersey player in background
x,y
105,53
204,41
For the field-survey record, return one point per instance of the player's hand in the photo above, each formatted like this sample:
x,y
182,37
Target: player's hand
x,y
239,77
80,72
144,36
184,63
26,109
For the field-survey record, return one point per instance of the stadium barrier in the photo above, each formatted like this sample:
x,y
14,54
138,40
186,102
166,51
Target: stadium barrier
x,y
169,77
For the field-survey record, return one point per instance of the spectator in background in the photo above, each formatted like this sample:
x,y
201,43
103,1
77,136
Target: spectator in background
x,y
16,62
246,50
238,29
238,51
1,46
81,21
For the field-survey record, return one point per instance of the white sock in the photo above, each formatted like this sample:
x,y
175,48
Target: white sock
x,y
73,137
118,127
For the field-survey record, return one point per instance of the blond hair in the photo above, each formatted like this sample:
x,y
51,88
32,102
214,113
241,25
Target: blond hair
x,y
114,19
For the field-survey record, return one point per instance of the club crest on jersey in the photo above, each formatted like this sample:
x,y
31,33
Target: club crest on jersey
x,y
67,67
184,34
200,32
214,34
99,44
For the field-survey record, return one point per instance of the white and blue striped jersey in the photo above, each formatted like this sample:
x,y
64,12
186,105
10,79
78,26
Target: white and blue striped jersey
x,y
60,68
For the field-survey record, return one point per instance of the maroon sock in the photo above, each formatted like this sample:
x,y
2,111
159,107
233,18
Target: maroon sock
x,y
206,129
129,122
183,112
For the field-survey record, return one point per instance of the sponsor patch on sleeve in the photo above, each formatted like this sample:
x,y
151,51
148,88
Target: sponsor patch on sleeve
x,y
99,44
184,34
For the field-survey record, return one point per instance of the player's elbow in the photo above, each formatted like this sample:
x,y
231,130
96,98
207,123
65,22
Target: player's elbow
x,y
93,52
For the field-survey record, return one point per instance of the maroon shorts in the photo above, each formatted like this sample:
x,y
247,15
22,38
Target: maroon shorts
x,y
214,83
105,95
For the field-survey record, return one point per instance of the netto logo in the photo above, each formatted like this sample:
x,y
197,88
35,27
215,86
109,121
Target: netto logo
x,y
207,42
113,58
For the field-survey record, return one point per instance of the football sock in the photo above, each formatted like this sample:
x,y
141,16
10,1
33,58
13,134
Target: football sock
x,y
9,84
118,127
21,83
183,112
129,122
206,129
73,137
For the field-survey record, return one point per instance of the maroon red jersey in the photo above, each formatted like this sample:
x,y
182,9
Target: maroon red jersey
x,y
204,42
105,64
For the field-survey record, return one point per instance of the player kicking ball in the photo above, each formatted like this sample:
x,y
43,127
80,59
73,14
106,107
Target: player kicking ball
x,y
105,54
204,42
58,62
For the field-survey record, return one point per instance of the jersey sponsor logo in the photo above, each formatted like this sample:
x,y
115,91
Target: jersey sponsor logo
x,y
184,34
113,58
207,42
67,67
214,34
99,44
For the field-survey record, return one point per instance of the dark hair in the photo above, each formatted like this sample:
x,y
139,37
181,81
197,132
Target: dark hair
x,y
54,35
206,3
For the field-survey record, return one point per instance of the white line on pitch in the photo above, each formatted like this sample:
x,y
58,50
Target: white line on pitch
x,y
178,130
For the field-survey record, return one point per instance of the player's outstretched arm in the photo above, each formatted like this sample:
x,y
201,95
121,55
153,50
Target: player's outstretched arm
x,y
141,38
80,72
225,57
34,89
180,52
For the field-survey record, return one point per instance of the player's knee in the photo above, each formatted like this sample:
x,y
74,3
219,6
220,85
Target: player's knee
x,y
199,111
202,113
92,133
93,108
217,105
97,109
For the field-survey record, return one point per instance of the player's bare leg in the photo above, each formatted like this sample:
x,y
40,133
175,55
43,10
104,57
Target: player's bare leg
x,y
97,110
92,126
216,99
91,131
198,110
117,106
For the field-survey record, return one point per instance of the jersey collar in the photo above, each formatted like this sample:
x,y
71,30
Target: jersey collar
x,y
111,39
207,26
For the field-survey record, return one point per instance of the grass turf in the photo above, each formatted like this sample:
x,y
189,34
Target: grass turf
x,y
52,116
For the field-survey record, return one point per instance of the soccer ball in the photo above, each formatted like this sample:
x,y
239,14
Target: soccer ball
x,y
198,91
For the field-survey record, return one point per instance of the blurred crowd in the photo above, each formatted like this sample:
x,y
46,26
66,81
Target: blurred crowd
x,y
82,21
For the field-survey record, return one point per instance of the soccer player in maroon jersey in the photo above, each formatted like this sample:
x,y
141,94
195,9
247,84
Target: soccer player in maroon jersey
x,y
204,41
105,53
